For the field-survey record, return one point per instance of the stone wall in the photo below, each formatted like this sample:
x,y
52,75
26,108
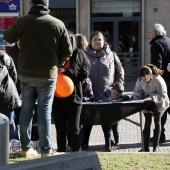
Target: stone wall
x,y
83,17
155,11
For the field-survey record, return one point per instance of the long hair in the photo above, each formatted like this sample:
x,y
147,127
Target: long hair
x,y
81,42
155,71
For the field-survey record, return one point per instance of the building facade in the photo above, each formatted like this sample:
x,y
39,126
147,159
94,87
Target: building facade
x,y
125,24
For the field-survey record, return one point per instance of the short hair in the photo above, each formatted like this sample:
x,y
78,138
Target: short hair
x,y
118,87
159,29
43,2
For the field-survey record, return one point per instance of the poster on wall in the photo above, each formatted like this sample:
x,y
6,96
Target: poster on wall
x,y
9,5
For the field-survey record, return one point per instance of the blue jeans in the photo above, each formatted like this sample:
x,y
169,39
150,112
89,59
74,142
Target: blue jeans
x,y
12,129
43,92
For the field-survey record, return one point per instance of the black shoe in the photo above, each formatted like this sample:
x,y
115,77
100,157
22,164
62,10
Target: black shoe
x,y
146,150
140,150
108,149
85,146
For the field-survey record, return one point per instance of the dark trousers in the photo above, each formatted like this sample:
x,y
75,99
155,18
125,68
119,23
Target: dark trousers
x,y
164,116
115,129
148,121
66,116
163,122
106,130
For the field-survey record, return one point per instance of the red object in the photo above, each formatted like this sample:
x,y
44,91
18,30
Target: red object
x,y
64,86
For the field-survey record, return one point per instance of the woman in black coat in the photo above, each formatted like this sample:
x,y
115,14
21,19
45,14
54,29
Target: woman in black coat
x,y
66,111
9,99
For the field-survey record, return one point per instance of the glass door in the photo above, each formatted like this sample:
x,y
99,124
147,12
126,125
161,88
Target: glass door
x,y
123,36
129,47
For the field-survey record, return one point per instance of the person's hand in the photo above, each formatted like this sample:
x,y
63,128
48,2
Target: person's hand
x,y
148,98
135,97
61,70
110,99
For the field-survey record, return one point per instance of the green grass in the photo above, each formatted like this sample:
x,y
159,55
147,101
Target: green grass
x,y
123,161
134,161
15,158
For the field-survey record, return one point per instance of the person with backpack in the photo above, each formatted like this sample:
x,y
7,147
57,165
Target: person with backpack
x,y
45,46
9,98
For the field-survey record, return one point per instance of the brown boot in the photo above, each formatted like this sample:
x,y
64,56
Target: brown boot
x,y
51,153
29,153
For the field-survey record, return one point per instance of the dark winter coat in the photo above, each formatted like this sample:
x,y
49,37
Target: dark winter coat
x,y
78,72
13,52
160,54
9,99
44,43
106,69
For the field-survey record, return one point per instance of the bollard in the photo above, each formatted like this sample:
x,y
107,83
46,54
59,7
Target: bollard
x,y
4,139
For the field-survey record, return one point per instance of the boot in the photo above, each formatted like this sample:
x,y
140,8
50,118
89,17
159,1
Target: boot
x,y
146,136
156,138
162,137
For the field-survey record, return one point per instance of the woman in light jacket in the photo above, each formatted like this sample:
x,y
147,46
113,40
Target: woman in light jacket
x,y
151,86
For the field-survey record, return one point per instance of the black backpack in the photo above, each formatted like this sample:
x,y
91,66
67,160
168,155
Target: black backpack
x,y
9,97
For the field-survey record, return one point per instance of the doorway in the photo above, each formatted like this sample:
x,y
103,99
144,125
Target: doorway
x,y
124,38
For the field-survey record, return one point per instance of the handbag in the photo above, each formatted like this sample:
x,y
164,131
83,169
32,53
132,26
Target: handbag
x,y
9,97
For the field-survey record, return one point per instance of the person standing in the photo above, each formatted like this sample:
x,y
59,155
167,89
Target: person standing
x,y
9,103
151,86
160,57
44,46
106,70
13,52
67,110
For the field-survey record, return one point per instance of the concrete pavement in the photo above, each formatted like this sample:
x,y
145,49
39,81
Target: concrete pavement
x,y
130,135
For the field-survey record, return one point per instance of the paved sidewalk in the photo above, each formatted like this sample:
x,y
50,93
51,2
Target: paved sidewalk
x,y
130,135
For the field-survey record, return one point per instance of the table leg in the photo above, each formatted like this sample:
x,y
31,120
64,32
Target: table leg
x,y
141,129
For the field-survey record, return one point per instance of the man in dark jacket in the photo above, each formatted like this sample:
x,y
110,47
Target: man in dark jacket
x,y
160,57
44,47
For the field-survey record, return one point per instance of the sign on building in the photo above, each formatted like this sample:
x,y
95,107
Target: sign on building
x,y
9,5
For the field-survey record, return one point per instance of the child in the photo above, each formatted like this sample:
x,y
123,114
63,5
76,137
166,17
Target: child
x,y
114,93
151,86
